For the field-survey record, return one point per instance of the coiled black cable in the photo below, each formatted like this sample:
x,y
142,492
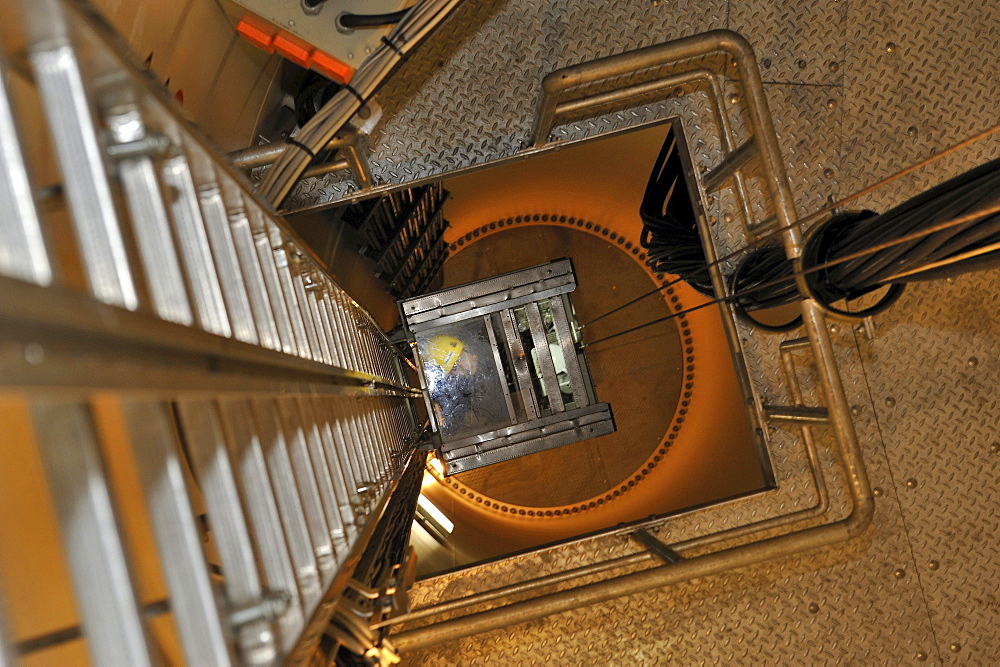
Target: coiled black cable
x,y
674,246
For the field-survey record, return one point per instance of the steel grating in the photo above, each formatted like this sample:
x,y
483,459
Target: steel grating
x,y
858,91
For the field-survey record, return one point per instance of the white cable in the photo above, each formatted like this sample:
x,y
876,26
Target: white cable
x,y
321,128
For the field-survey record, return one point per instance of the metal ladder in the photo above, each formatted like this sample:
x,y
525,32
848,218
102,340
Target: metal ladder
x,y
153,280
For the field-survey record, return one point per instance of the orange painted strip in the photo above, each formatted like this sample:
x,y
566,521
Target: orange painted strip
x,y
331,67
293,48
257,31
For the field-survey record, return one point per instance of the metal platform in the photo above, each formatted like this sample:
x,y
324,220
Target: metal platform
x,y
857,92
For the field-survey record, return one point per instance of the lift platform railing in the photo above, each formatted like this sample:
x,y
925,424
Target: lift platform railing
x,y
711,61
259,400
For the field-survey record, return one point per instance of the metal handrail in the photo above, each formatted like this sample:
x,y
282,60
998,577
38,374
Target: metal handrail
x,y
737,51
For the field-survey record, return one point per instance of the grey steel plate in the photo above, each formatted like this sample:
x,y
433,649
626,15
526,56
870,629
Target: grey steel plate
x,y
858,91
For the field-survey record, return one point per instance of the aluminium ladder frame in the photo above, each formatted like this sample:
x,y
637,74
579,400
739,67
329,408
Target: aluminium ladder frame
x,y
225,344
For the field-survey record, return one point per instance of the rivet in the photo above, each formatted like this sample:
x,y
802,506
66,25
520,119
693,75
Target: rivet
x,y
350,55
921,656
973,361
766,62
890,401
800,63
955,647
950,281
813,608
713,220
912,130
657,3
899,573
831,103
734,98
933,565
995,447
828,172
368,50
834,65
890,47
834,328
734,62
911,483
877,492
291,24
855,410
727,218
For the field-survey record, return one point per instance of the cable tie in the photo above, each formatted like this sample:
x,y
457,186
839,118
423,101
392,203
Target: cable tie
x,y
392,45
301,145
356,94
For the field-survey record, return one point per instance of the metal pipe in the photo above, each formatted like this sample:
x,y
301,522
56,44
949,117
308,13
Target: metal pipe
x,y
855,523
617,65
515,589
326,168
731,163
629,92
796,414
262,156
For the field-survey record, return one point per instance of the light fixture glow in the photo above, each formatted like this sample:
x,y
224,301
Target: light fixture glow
x,y
434,513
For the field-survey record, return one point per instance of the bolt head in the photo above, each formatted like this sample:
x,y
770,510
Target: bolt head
x,y
813,608
890,401
973,362
921,656
911,483
890,47
834,65
899,573
877,492
955,647
933,565
831,103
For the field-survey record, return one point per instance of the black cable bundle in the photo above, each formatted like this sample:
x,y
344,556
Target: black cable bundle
x,y
931,255
669,232
764,278
957,197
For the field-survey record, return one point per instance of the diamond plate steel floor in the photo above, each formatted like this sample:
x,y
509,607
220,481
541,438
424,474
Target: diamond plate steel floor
x,y
858,91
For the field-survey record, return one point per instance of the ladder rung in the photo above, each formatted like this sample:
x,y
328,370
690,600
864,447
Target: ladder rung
x,y
293,517
91,536
254,486
212,467
203,633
